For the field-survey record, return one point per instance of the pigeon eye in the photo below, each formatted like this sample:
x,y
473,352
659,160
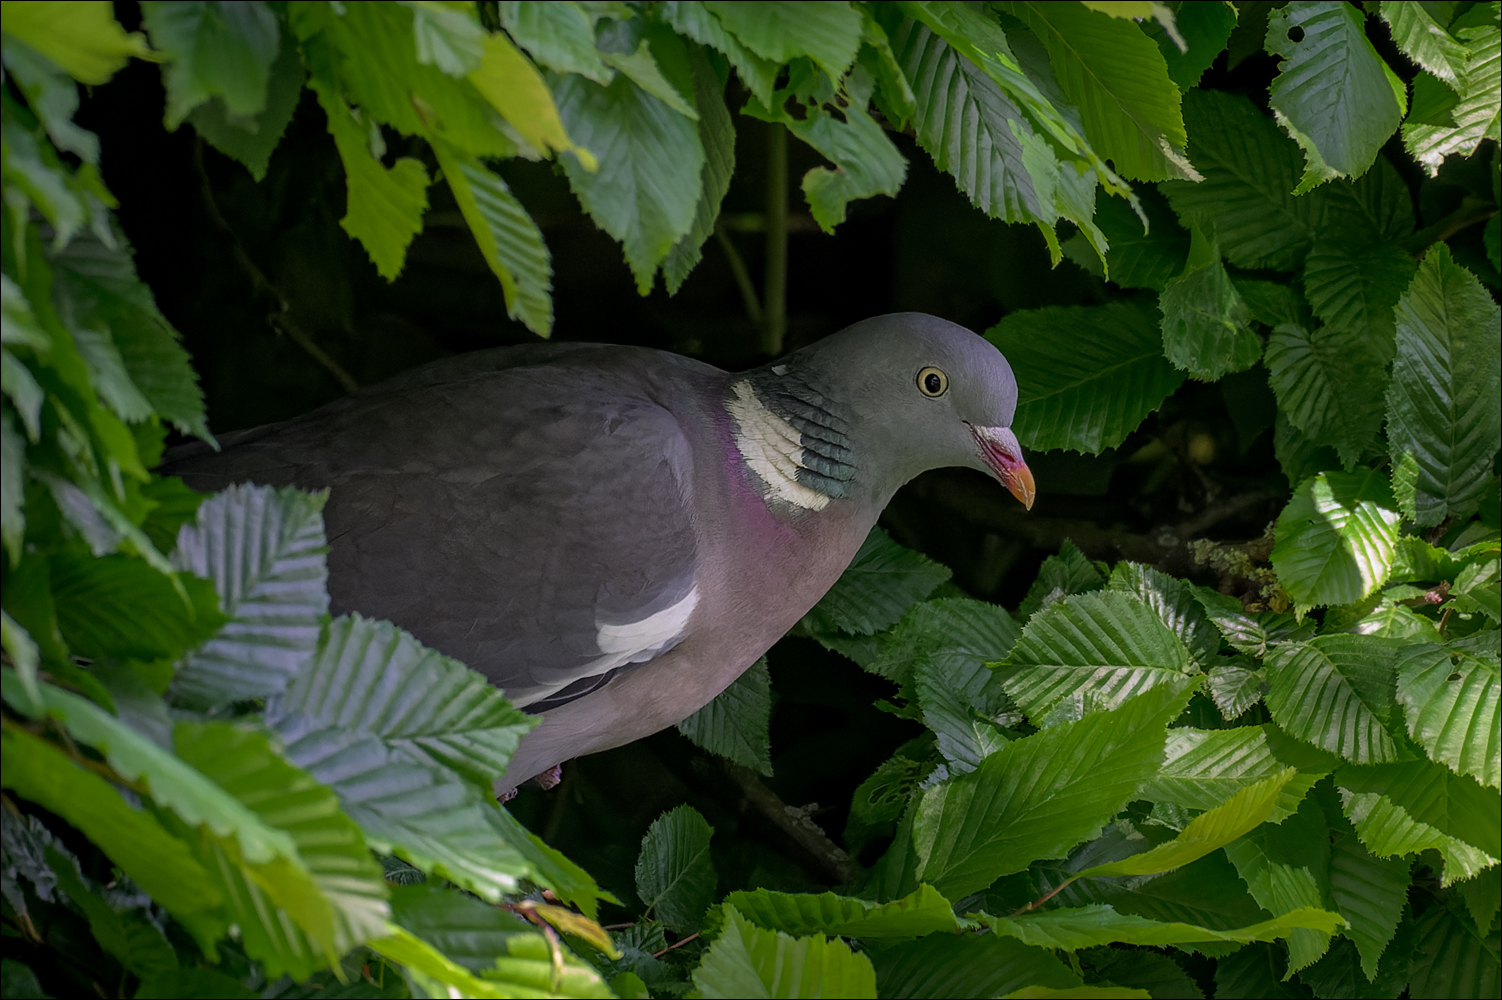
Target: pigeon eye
x,y
932,382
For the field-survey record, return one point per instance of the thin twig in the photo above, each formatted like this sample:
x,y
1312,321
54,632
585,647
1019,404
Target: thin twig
x,y
834,863
281,317
739,272
775,281
1039,902
676,944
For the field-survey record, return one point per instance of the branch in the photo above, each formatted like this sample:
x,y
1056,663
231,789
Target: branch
x,y
281,317
742,277
837,866
774,308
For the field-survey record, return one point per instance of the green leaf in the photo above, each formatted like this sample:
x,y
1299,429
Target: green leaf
x,y
693,20
1068,572
1033,798
1158,974
1092,653
215,50
1286,866
350,906
1451,705
866,163
962,702
942,966
448,38
423,813
881,583
1234,689
1453,959
531,967
252,139
1416,805
1336,691
646,190
828,33
1475,115
491,943
966,122
385,206
264,551
1423,40
131,838
1442,404
1204,768
1205,27
1117,78
560,36
52,96
1210,831
922,912
1333,88
641,64
1087,376
945,625
1376,207
1329,384
1370,892
1353,287
372,677
1252,633
1139,256
118,606
1175,604
127,935
1483,896
1335,539
1250,169
568,881
86,40
1206,326
717,136
736,723
195,982
674,873
1083,927
508,238
746,961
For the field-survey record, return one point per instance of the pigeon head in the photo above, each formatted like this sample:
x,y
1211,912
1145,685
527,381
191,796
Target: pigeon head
x,y
881,401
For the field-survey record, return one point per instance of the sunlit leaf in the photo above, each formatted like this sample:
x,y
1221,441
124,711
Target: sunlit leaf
x,y
1451,706
922,912
1336,692
1335,539
1416,805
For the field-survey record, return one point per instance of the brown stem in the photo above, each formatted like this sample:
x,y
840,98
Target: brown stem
x,y
835,864
281,317
676,944
1049,895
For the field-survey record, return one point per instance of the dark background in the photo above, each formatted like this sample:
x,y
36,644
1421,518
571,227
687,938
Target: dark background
x,y
1202,466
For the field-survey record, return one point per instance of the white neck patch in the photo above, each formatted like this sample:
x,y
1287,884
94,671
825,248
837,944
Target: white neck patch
x,y
773,449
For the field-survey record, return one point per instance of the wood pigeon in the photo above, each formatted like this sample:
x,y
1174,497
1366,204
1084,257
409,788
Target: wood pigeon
x,y
613,534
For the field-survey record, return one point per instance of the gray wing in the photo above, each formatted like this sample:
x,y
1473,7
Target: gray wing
x,y
523,510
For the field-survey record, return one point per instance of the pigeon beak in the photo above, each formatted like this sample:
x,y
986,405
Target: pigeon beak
x,y
999,450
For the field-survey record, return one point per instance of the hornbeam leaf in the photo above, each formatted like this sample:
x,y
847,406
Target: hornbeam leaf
x,y
717,134
1203,768
1138,257
1033,798
828,33
1452,958
645,191
1478,110
1206,325
922,912
1209,831
1073,928
515,89
1353,287
1334,92
1205,27
693,20
264,551
1329,384
213,51
881,583
947,624
228,133
736,723
674,874
1286,867
1234,689
558,35
1335,691
1087,375
865,162
1117,78
1069,571
1442,404
1424,41
372,677
1092,653
1247,632
1250,169
133,839
746,961
1370,892
385,205
1451,705
941,966
508,238
1416,805
1335,539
